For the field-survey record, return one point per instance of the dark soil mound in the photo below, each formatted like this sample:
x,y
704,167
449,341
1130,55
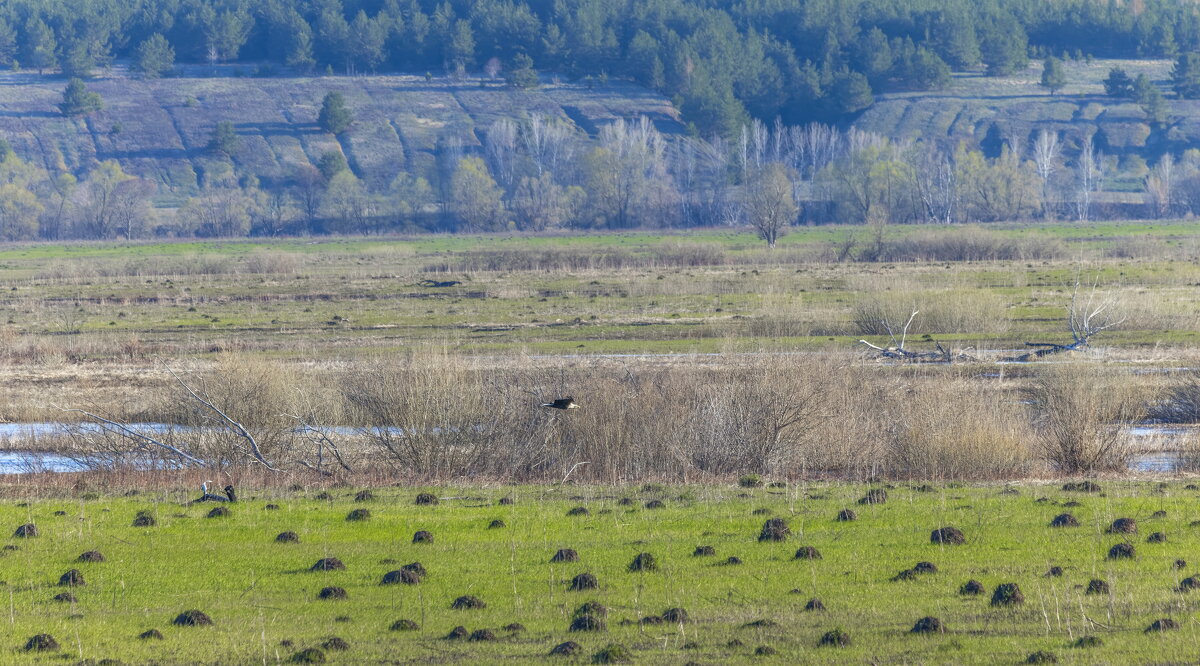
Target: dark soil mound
x,y
565,649
364,496
72,578
322,496
971,587
308,656
1179,564
750,481
626,501
192,618
644,562
814,604
332,593
1097,586
1123,526
151,634
949,536
1189,583
481,635
587,623
928,625
514,628
415,567
467,602
1157,537
655,504
328,564
591,608
65,597
1165,624
584,581
1122,551
807,553
874,496
925,567
761,512
676,615
761,624
27,531
775,529
735,643
1159,514
579,511
358,514
846,516
835,638
287,537
218,512
906,574
427,499
1064,520
271,507
60,513
565,555
1041,657
704,551
457,633
91,556
400,576
925,488
404,625
1072,504
764,651
506,500
343,618
1088,642
1054,572
732,561
1082,487
41,643
612,654
496,524
1007,594
651,619
335,643
144,519
422,536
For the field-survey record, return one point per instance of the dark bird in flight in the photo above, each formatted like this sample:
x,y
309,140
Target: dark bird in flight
x,y
562,403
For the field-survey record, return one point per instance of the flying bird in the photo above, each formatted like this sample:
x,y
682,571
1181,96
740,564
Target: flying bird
x,y
562,403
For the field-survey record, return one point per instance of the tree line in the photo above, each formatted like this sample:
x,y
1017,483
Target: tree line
x,y
722,63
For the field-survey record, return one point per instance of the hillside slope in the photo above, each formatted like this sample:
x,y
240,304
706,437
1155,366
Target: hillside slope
x,y
1014,109
160,129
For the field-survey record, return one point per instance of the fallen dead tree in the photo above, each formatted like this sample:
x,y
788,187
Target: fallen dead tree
x,y
898,351
1086,318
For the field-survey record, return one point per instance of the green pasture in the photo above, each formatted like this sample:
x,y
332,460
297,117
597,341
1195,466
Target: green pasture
x,y
263,599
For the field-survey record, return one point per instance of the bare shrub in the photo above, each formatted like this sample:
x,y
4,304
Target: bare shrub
x,y
267,262
1081,417
1180,402
968,244
938,312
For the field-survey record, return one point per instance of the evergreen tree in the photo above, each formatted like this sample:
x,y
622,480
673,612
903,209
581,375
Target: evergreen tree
x,y
460,52
78,100
224,139
1153,102
40,45
1054,77
77,61
332,163
1004,46
1118,84
851,93
334,118
1185,76
521,74
155,57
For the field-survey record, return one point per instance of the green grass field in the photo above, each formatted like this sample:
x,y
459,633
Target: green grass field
x,y
264,604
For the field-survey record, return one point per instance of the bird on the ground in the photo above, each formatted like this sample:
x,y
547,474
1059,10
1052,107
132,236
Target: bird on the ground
x,y
206,496
562,403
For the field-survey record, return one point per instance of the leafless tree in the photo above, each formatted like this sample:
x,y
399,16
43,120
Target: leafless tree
x,y
1160,185
548,142
1045,157
309,190
1088,314
937,184
770,207
897,350
1089,171
501,145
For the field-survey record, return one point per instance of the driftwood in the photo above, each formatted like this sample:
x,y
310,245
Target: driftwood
x,y
1085,319
899,352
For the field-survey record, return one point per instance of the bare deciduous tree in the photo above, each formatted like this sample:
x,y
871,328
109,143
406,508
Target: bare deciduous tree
x,y
1045,158
1089,172
769,203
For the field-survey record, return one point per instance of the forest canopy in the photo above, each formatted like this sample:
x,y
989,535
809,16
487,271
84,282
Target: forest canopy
x,y
721,62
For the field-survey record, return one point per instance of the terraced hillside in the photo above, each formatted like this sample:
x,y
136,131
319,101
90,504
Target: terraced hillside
x,y
1016,108
160,129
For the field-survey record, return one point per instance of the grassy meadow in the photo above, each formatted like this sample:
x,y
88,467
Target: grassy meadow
x,y
264,601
